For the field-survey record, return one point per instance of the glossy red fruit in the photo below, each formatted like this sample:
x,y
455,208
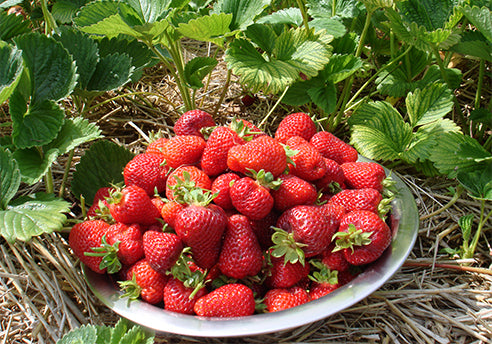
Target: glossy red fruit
x,y
130,247
201,228
280,299
147,170
169,210
333,148
192,121
145,282
178,298
334,260
295,124
333,174
263,152
309,164
293,191
230,300
100,196
133,205
251,199
241,255
155,146
285,274
189,177
222,186
363,236
318,290
83,237
263,229
162,250
362,174
183,150
214,158
250,131
357,199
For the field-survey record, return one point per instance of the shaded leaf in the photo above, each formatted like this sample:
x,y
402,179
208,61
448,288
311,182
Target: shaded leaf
x,y
64,10
473,43
482,116
32,165
481,18
11,68
111,72
243,11
478,182
75,131
212,28
12,25
332,26
343,8
197,69
465,223
324,97
341,67
10,177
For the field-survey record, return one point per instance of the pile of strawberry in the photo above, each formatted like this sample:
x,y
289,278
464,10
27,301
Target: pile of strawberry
x,y
226,221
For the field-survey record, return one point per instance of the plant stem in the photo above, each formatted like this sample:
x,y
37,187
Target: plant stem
x,y
48,180
333,8
61,192
177,54
456,196
305,18
470,251
49,21
223,93
481,73
262,123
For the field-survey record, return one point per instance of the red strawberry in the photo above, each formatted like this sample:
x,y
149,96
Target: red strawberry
x,y
334,260
363,236
147,170
263,229
99,207
169,211
357,199
248,130
183,150
293,191
200,225
83,237
318,290
180,298
130,247
333,148
133,205
214,158
335,212
189,177
333,174
155,146
252,197
280,299
308,162
295,124
311,226
143,281
222,186
230,300
362,174
324,280
241,254
284,274
262,152
192,121
161,249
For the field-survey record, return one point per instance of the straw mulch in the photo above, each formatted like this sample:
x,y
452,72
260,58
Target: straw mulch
x,y
433,298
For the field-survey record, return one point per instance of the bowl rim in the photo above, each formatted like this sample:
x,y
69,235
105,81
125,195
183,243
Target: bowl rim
x,y
404,224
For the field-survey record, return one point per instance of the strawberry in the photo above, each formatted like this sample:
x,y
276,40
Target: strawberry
x,y
143,281
214,158
192,121
308,163
85,235
295,124
333,148
357,199
180,298
284,274
183,150
147,170
200,225
363,236
334,260
222,186
186,178
293,191
161,249
318,290
99,207
241,254
252,197
333,174
155,147
169,211
245,129
263,229
311,226
279,299
130,247
362,174
133,205
263,152
230,300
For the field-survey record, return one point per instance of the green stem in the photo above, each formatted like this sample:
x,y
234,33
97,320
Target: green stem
x,y
223,93
470,252
68,164
333,8
305,18
49,21
48,179
122,96
456,196
262,123
481,73
177,54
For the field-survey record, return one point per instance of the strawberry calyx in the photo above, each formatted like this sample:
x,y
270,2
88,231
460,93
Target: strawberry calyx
x,y
206,131
389,193
242,130
181,270
265,179
286,246
324,274
130,288
109,254
353,237
289,153
102,213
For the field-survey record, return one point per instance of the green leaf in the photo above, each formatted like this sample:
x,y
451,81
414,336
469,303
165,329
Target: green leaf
x,y
481,18
343,8
243,12
37,125
84,51
101,166
212,28
11,68
332,26
32,165
64,10
197,69
150,11
473,43
111,72
12,26
433,75
478,182
297,94
481,116
95,12
32,215
465,223
263,36
9,3
379,132
75,131
51,68
10,177
430,14
86,334
291,16
341,67
119,331
429,104
324,97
